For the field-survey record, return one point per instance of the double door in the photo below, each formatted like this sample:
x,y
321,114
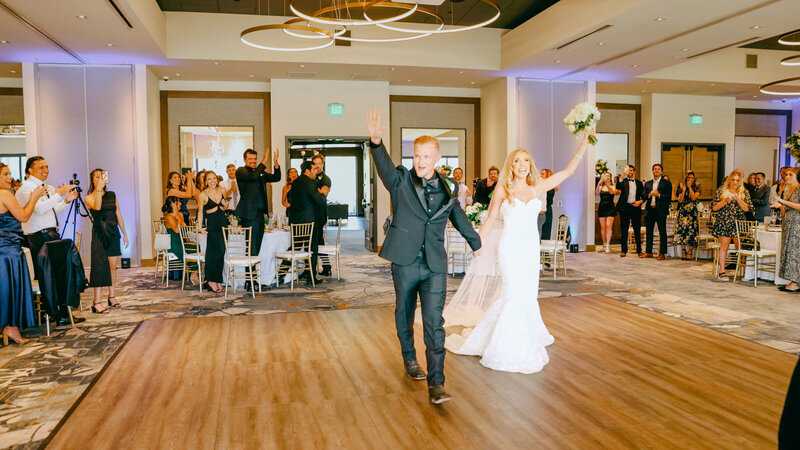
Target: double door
x,y
705,160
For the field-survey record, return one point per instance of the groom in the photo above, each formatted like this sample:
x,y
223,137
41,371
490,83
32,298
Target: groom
x,y
422,203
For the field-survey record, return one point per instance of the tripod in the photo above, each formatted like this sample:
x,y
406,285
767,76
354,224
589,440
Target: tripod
x,y
73,212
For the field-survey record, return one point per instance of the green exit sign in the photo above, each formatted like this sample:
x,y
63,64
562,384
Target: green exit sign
x,y
335,109
695,119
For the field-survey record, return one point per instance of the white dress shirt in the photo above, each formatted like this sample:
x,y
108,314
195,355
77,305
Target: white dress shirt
x,y
44,214
655,188
226,184
463,198
631,190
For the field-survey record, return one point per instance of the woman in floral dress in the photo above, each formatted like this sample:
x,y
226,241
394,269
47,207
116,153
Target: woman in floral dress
x,y
687,227
730,203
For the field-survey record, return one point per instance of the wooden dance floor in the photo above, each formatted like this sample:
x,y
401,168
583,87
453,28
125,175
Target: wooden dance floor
x,y
619,377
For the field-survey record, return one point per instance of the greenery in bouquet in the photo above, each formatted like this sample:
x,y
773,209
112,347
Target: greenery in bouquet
x,y
477,213
600,167
582,116
793,144
446,170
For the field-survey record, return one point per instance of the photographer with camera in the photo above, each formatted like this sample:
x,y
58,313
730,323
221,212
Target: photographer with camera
x,y
43,225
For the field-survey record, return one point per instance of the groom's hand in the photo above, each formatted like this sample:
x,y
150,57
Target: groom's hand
x,y
374,126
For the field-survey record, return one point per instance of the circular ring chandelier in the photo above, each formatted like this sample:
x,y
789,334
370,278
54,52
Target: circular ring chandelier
x,y
792,38
284,26
440,30
766,88
791,61
301,26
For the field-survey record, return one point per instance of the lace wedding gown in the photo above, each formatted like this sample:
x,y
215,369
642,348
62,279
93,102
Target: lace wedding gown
x,y
510,336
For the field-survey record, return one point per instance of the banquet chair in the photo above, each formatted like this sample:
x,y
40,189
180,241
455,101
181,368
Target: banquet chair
x,y
329,254
554,251
160,245
749,248
299,252
672,224
706,240
191,255
237,256
457,249
37,296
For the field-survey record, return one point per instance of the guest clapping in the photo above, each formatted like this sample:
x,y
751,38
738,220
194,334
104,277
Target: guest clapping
x,y
231,188
687,225
790,250
16,299
183,192
106,226
730,203
211,214
464,194
605,210
656,209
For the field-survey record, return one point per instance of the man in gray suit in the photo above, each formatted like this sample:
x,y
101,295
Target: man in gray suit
x,y
422,202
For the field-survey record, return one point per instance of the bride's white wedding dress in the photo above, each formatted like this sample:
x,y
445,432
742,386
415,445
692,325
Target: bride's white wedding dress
x,y
510,336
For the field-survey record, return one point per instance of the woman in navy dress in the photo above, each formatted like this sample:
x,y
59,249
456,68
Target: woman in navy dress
x,y
16,298
211,214
175,188
106,226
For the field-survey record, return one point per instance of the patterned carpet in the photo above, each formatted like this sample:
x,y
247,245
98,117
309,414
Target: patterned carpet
x,y
41,380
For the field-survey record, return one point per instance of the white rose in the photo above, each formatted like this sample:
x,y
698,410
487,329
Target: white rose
x,y
483,215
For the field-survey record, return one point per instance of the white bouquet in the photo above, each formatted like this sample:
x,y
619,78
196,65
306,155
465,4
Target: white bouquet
x,y
477,213
583,115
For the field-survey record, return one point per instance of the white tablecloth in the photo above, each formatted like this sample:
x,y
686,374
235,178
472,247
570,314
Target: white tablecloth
x,y
770,240
274,241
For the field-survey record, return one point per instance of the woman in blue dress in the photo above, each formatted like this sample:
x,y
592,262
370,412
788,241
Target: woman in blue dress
x,y
16,298
175,188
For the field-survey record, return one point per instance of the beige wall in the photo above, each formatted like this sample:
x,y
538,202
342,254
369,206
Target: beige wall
x,y
435,115
494,125
213,111
157,179
665,118
11,110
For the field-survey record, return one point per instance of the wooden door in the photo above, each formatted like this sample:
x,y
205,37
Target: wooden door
x,y
704,164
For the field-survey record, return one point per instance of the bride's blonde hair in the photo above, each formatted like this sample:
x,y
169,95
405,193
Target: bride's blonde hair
x,y
507,176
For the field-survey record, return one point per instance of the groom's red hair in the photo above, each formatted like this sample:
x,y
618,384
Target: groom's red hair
x,y
422,140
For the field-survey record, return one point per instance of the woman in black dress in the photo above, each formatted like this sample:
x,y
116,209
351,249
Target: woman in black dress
x,y
547,226
16,300
106,226
291,175
605,210
176,188
211,215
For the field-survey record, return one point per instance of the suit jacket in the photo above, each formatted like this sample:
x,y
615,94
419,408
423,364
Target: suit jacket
x,y
253,190
662,201
760,198
483,192
412,229
624,189
322,211
63,278
306,199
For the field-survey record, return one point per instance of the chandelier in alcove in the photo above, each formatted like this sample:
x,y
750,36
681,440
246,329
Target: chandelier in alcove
x,y
322,28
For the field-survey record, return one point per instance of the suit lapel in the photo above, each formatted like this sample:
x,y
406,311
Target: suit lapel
x,y
450,197
417,183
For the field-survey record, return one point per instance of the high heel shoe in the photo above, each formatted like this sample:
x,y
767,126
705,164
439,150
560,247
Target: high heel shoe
x,y
114,304
21,340
99,311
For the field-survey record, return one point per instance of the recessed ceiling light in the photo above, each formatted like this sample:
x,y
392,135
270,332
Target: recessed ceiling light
x,y
471,82
713,84
408,81
251,76
660,19
82,17
216,63
393,69
4,41
643,91
302,65
460,71
601,43
558,61
755,27
634,65
177,74
109,45
685,49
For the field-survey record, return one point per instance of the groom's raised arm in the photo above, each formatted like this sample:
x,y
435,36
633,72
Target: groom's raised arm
x,y
389,174
464,226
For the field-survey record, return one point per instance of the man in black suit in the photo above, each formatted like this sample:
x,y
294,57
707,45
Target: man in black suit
x,y
323,183
629,207
656,209
485,187
422,202
252,180
760,196
306,200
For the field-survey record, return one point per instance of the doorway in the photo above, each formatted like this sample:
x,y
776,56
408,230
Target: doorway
x,y
707,161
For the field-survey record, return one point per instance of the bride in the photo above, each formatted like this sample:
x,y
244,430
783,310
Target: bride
x,y
509,334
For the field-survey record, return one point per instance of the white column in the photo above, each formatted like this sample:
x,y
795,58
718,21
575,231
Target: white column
x,y
142,162
591,97
29,99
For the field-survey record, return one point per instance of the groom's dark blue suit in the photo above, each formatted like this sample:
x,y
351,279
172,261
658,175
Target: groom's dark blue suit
x,y
415,245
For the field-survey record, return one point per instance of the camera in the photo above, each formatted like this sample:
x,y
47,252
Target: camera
x,y
165,78
76,182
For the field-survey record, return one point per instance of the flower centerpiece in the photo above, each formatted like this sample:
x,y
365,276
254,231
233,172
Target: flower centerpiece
x,y
583,115
600,167
477,213
793,144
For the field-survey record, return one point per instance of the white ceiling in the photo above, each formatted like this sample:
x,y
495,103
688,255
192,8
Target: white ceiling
x,y
636,47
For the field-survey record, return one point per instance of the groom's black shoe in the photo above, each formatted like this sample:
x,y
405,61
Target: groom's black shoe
x,y
438,395
413,370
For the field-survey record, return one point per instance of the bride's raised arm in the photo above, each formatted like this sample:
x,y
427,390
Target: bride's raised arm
x,y
545,184
498,197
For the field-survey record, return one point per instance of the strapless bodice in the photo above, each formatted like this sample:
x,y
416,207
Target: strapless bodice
x,y
10,230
